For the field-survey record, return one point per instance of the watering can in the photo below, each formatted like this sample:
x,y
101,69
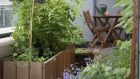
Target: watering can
x,y
102,9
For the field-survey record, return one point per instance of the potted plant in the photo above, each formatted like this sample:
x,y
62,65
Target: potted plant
x,y
42,31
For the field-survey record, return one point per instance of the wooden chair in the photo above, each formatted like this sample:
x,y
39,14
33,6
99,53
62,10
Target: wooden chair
x,y
96,30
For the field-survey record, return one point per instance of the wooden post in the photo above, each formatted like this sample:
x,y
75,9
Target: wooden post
x,y
133,51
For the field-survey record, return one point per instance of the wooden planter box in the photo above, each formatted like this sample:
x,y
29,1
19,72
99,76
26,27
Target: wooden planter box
x,y
51,69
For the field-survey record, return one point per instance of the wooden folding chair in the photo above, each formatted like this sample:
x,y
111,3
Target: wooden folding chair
x,y
96,30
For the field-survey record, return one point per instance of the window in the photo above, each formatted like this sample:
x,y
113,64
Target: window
x,y
7,18
6,15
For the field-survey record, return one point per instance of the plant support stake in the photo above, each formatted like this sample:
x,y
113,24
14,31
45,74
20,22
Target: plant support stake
x,y
31,26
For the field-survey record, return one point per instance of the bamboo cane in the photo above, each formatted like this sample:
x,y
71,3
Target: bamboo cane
x,y
31,26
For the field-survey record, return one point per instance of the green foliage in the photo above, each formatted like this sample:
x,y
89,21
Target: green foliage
x,y
81,43
81,51
23,57
116,66
127,14
121,55
53,27
103,71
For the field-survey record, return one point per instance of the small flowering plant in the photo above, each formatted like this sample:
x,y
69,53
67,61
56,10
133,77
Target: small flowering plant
x,y
96,70
115,66
75,71
72,73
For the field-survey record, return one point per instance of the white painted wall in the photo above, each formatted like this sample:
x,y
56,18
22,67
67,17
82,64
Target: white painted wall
x,y
87,5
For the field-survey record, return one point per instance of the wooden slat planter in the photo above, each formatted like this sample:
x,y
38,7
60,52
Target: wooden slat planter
x,y
51,69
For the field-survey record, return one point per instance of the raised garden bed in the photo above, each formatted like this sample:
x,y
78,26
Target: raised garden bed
x,y
50,69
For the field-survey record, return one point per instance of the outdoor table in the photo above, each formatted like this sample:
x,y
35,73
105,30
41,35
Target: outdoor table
x,y
111,24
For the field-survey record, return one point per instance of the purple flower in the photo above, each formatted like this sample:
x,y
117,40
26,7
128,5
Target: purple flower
x,y
71,65
66,75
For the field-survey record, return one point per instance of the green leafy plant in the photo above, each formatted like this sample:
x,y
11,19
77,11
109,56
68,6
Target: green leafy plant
x,y
103,71
53,27
116,66
127,14
121,55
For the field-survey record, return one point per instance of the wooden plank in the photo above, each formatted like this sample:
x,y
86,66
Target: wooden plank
x,y
47,70
69,59
36,70
54,68
58,65
51,69
61,67
64,60
9,70
22,70
72,51
43,68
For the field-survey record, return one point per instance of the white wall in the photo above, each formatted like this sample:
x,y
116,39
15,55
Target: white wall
x,y
87,5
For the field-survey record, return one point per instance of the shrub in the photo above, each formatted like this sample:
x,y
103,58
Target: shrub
x,y
53,27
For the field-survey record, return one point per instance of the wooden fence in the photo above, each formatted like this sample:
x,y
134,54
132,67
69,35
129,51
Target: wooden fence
x,y
51,69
